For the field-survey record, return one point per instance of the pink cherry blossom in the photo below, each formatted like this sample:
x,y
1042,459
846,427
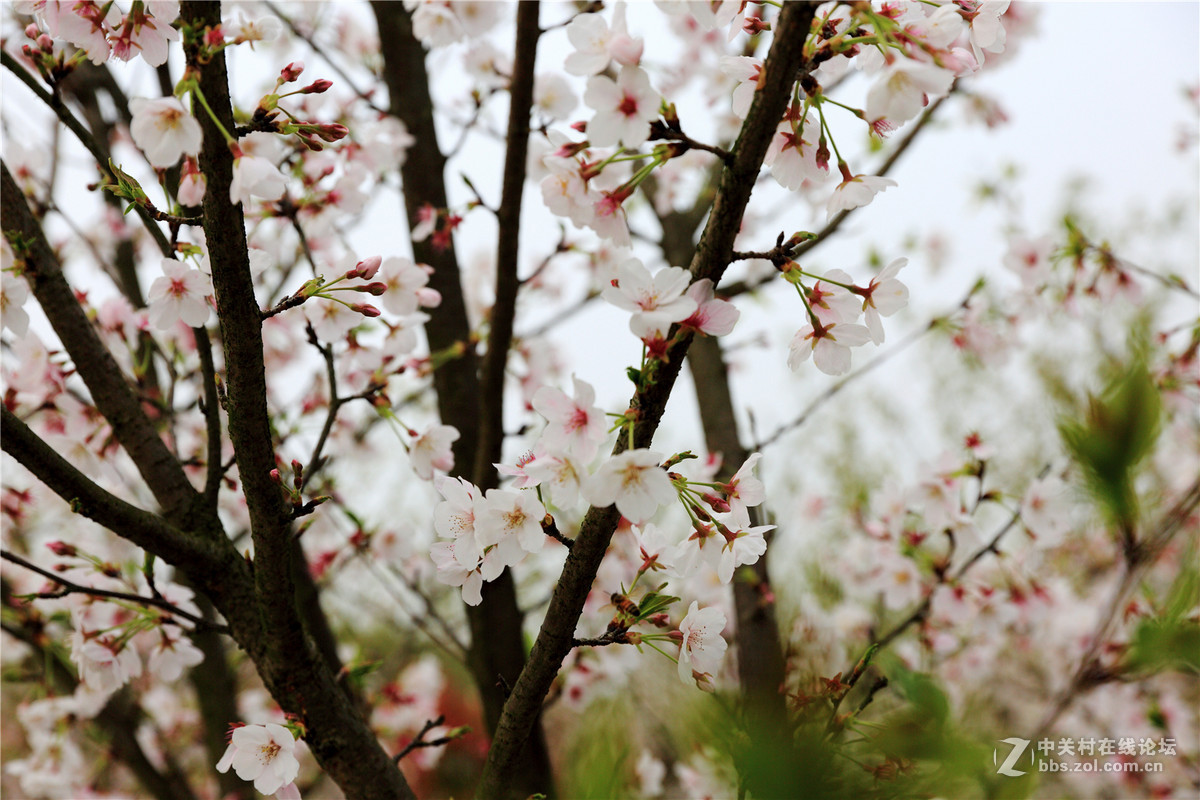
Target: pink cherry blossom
x,y
164,130
657,300
831,301
404,280
987,31
432,450
455,517
574,425
634,481
172,654
624,108
702,649
104,665
192,184
829,345
180,295
265,754
596,43
712,316
792,155
744,490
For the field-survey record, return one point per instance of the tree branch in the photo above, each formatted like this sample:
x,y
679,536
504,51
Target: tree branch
x,y
70,587
491,394
296,675
109,389
710,260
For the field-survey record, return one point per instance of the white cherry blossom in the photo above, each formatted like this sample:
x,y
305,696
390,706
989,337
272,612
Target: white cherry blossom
x,y
904,89
634,481
624,108
509,514
164,130
575,425
265,754
855,192
657,300
829,345
885,295
702,649
432,450
179,295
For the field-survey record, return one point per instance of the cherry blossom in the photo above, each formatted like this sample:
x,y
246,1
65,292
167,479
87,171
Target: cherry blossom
x,y
164,130
192,184
431,450
831,301
792,155
744,548
634,481
657,300
904,89
1045,511
405,282
454,517
104,665
987,31
855,192
702,649
624,108
553,97
712,316
1030,260
559,475
596,43
180,295
147,31
254,176
13,294
264,754
451,572
744,490
884,296
747,71
829,345
511,514
574,425
172,654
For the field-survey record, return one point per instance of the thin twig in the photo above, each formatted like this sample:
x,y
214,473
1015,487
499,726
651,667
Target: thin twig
x,y
316,48
419,739
69,587
837,387
85,138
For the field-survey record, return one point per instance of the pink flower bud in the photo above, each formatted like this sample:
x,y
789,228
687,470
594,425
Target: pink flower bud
x,y
292,71
276,477
32,31
429,298
332,131
375,289
718,504
62,548
366,310
318,86
368,267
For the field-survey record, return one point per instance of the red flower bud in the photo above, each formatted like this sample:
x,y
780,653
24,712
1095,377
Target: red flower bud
x,y
292,71
317,87
62,548
366,310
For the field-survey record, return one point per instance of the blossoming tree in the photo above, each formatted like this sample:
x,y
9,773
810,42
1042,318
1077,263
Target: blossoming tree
x,y
265,534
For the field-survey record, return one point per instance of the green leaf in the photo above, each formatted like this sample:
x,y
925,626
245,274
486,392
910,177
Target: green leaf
x,y
1118,429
